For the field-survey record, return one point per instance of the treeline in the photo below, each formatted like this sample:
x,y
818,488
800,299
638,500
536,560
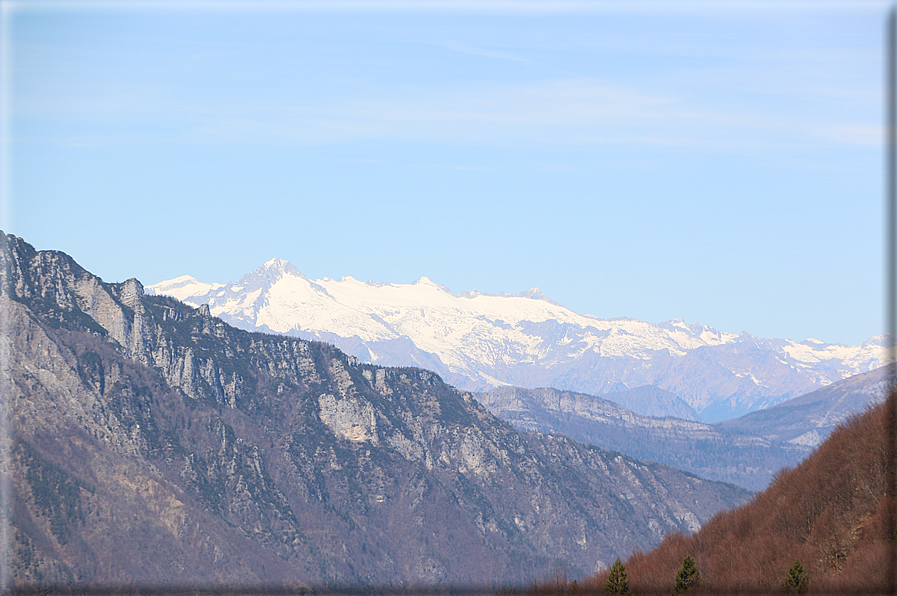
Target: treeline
x,y
828,526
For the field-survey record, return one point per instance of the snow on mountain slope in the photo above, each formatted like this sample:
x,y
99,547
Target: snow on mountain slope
x,y
462,329
478,341
184,287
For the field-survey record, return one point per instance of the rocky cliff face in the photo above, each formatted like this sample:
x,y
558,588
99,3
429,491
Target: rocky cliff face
x,y
152,443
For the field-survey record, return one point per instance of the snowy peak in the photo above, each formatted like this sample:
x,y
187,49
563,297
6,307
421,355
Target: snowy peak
x,y
280,266
477,341
536,294
183,288
429,283
182,281
271,272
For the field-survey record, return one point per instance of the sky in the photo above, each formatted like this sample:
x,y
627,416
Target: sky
x,y
719,162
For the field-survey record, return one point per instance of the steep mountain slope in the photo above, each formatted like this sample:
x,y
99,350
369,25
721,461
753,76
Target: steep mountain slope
x,y
835,513
808,419
703,449
478,341
151,442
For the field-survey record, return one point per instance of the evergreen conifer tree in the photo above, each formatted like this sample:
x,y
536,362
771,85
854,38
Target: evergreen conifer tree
x,y
797,579
688,575
617,582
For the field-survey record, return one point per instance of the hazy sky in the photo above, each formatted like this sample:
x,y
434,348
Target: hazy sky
x,y
719,162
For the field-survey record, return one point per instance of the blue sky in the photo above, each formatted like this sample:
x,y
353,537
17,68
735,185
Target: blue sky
x,y
718,162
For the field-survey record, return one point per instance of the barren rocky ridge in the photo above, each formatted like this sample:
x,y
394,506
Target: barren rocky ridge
x,y
152,442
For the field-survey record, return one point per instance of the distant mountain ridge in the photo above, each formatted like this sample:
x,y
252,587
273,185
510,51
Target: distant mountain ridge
x,y
479,341
810,418
702,449
746,451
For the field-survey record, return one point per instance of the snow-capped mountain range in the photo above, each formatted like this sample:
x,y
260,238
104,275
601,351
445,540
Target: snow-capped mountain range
x,y
478,341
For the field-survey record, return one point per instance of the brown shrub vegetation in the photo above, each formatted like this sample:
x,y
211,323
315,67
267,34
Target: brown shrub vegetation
x,y
832,512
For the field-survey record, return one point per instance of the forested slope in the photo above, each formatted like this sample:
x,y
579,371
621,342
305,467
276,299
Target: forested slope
x,y
833,513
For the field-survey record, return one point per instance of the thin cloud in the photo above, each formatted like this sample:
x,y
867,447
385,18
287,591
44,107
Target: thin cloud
x,y
566,112
462,168
501,55
853,134
574,112
563,112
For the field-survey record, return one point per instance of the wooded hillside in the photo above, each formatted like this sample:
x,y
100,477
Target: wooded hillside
x,y
833,513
